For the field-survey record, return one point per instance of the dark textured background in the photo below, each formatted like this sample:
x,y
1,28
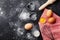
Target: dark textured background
x,y
11,16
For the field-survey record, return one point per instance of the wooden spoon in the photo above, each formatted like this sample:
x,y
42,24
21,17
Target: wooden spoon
x,y
46,4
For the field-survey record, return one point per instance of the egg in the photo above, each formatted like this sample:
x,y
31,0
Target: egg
x,y
28,26
42,20
49,13
51,20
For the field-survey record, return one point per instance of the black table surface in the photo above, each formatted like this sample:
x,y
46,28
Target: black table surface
x,y
8,6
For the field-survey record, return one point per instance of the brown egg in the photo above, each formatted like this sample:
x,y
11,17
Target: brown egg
x,y
49,13
28,26
51,20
